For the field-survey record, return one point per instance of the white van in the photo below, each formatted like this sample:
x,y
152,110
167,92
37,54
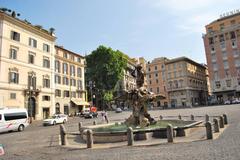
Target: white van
x,y
13,119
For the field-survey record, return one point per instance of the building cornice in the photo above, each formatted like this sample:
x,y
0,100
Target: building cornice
x,y
71,52
29,27
186,60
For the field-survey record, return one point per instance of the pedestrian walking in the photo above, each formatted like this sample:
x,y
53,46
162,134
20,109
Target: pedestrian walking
x,y
105,116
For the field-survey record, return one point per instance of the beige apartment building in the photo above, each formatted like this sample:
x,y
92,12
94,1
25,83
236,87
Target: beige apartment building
x,y
70,93
222,48
186,82
26,66
157,81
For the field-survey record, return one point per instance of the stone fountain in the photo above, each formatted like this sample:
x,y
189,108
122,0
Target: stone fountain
x,y
139,98
140,120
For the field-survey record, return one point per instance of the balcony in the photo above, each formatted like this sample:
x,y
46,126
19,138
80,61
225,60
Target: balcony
x,y
32,91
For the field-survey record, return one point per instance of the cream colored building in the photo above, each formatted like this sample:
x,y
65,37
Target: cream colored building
x,y
26,67
70,90
186,82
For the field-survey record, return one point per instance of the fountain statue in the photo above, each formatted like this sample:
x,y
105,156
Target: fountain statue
x,y
139,98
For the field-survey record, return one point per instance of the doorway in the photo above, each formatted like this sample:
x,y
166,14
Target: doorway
x,y
31,107
46,113
66,110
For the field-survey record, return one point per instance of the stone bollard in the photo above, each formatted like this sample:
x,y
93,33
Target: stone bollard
x,y
215,125
130,137
192,117
209,130
94,122
79,127
160,117
225,119
206,118
170,133
63,135
89,138
221,122
179,117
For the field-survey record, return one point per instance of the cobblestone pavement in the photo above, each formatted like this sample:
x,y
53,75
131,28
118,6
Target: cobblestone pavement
x,y
38,142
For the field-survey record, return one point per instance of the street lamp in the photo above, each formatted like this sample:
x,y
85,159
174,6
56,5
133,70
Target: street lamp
x,y
91,86
30,97
94,100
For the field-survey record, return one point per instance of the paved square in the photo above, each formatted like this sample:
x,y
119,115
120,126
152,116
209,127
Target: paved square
x,y
38,142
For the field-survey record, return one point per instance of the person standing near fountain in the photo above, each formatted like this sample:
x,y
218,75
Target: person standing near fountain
x,y
105,116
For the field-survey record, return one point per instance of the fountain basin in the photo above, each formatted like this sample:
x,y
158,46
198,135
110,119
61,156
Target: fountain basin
x,y
117,132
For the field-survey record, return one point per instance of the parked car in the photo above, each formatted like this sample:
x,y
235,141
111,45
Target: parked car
x,y
85,110
91,115
236,101
13,119
118,110
227,102
55,119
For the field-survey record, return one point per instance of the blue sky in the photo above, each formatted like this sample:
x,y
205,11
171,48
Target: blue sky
x,y
139,28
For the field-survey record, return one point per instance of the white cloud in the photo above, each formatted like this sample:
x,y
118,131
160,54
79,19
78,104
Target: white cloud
x,y
195,23
192,15
184,5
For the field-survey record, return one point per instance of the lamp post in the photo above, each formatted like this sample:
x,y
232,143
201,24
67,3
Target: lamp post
x,y
30,107
91,86
30,103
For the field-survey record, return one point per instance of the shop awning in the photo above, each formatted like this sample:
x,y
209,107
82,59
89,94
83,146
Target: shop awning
x,y
80,102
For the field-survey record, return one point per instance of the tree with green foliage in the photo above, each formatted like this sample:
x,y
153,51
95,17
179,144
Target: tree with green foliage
x,y
105,67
